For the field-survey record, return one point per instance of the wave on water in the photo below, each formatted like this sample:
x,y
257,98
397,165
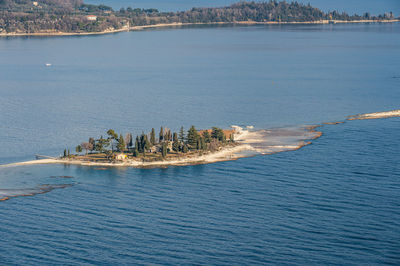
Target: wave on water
x,y
6,194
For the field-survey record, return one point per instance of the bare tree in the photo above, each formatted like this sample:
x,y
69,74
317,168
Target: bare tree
x,y
87,146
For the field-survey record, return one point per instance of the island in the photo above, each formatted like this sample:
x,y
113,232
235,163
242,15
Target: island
x,y
156,149
74,17
191,147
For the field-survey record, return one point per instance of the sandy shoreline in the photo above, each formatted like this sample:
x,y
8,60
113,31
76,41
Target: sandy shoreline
x,y
136,28
377,115
226,154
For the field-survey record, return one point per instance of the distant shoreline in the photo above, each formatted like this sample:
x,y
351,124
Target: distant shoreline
x,y
164,25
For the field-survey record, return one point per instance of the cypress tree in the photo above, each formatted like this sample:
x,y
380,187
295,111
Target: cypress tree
x,y
121,143
142,142
164,150
135,151
153,136
161,135
175,144
65,153
137,145
147,144
198,144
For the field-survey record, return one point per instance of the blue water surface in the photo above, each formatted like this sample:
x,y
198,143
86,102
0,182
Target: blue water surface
x,y
335,201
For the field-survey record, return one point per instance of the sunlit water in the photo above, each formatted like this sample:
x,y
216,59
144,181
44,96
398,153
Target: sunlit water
x,y
334,201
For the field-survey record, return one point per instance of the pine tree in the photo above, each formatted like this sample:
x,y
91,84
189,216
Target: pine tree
x,y
112,136
185,148
192,138
121,143
207,137
203,144
218,134
182,135
153,136
65,153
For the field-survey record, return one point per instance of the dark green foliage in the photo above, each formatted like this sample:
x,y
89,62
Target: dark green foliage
x,y
203,144
137,144
175,143
164,150
199,144
121,143
78,149
135,151
206,136
185,148
112,136
144,143
70,15
153,136
65,152
192,138
217,134
102,144
161,135
182,135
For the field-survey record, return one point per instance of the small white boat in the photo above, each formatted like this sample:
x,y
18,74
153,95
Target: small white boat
x,y
47,64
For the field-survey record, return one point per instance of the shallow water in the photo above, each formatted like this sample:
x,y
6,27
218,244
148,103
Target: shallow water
x,y
335,201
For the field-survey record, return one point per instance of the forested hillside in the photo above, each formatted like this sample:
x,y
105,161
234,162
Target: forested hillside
x,y
25,16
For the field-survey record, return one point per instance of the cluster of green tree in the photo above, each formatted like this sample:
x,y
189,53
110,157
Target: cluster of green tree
x,y
45,22
246,11
70,15
177,142
42,5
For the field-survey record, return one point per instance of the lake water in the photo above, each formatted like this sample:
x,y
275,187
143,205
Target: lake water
x,y
335,201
